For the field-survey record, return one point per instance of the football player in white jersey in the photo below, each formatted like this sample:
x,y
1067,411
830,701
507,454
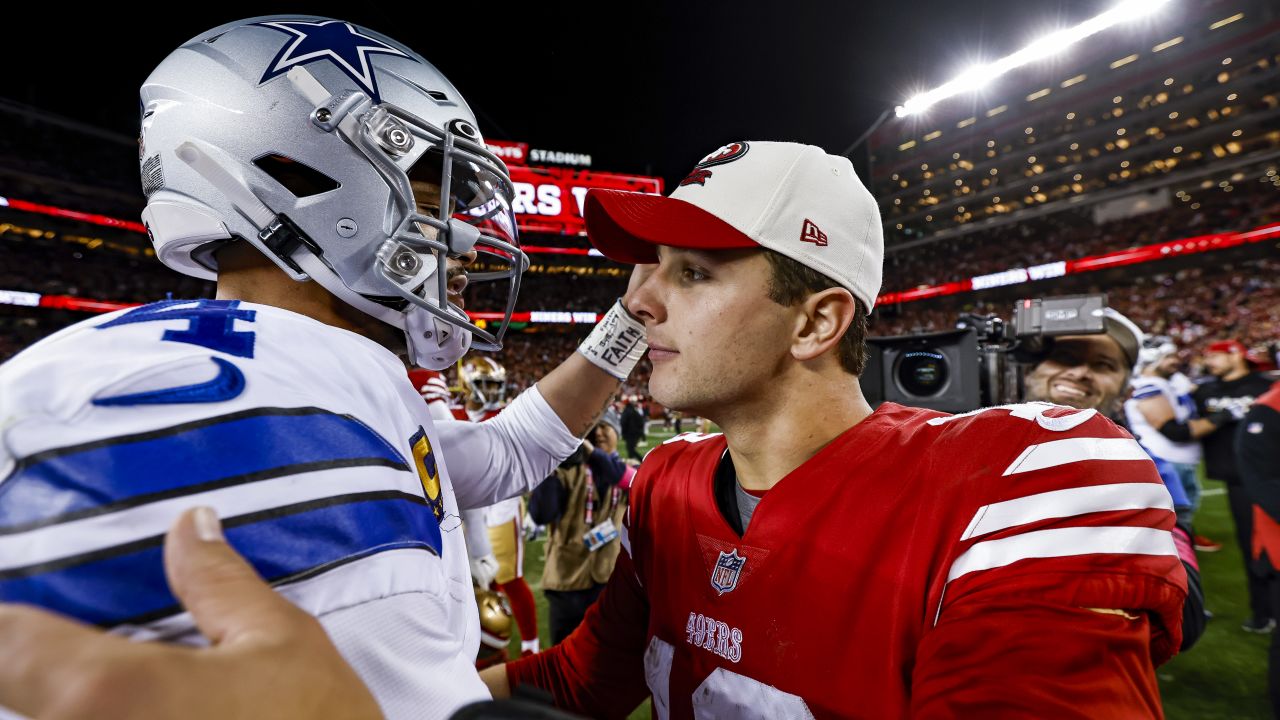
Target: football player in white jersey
x,y
335,185
1163,422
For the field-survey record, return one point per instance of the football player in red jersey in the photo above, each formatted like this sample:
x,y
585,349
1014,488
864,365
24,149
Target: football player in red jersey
x,y
484,384
1007,562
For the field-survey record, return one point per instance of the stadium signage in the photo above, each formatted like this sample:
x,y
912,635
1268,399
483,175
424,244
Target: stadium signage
x,y
1000,279
511,153
555,157
549,200
560,316
519,153
1019,275
17,297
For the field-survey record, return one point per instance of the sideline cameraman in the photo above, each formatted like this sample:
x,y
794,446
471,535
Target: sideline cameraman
x,y
1091,372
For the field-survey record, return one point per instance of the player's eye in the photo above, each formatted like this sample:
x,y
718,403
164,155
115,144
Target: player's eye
x,y
692,273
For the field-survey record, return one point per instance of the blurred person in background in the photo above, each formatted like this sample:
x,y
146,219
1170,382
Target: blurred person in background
x,y
633,426
1258,455
583,505
484,388
1088,371
1223,401
1166,424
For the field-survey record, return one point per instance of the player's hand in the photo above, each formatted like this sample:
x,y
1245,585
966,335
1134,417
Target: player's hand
x,y
484,569
639,274
267,656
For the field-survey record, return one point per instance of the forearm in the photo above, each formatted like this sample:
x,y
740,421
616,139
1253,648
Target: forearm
x,y
1081,664
495,678
476,533
508,455
1201,427
606,466
578,392
598,670
580,388
1186,431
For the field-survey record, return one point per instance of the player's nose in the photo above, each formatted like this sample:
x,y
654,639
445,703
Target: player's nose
x,y
646,300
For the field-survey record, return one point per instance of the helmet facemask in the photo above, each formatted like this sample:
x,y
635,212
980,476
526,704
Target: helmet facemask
x,y
312,165
472,215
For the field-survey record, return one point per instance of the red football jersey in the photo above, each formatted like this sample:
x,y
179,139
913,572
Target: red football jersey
x,y
1009,562
431,385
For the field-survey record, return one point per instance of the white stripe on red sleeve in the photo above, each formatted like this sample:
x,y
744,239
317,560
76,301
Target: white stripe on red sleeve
x,y
1063,542
1067,503
1072,450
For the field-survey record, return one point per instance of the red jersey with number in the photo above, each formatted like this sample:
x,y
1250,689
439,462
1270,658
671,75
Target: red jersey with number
x,y
1008,562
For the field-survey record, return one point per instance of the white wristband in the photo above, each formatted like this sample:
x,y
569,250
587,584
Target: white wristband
x,y
617,343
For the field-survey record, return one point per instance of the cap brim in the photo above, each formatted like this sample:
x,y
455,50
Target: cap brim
x,y
628,226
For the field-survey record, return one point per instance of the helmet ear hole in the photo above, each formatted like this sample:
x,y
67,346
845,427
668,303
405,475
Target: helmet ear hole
x,y
297,178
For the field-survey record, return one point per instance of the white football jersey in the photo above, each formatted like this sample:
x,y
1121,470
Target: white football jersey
x,y
310,443
1183,409
503,512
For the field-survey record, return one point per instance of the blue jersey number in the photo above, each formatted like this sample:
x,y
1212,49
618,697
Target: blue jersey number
x,y
211,325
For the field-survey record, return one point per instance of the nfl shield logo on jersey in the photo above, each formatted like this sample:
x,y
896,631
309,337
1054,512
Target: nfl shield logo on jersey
x,y
728,567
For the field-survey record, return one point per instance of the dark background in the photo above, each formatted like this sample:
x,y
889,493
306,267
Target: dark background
x,y
650,90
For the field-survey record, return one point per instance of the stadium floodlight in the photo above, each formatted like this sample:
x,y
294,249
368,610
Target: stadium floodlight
x,y
977,76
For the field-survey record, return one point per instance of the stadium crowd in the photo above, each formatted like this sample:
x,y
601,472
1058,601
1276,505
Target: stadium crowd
x,y
1251,202
1193,305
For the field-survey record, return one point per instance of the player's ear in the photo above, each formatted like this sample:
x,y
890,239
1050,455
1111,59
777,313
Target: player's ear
x,y
821,322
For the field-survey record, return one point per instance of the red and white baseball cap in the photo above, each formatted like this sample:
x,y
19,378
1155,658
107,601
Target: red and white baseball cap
x,y
1233,347
793,199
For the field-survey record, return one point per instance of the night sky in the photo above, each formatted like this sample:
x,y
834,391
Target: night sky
x,y
651,93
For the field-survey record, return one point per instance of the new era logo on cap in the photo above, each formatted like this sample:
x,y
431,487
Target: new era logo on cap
x,y
812,234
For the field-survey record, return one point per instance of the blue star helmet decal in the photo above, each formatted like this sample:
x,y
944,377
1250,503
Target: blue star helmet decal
x,y
334,40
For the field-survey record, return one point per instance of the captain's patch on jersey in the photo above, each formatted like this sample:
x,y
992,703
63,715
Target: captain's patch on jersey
x,y
428,471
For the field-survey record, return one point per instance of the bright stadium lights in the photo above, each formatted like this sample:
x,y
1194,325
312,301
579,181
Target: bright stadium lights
x,y
978,76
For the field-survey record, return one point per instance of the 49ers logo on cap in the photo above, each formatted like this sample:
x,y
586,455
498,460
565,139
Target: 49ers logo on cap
x,y
726,154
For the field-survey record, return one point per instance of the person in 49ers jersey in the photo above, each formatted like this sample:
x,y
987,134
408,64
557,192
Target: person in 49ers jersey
x,y
1007,562
484,384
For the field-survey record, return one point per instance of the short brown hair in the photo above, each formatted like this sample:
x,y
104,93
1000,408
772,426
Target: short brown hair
x,y
792,282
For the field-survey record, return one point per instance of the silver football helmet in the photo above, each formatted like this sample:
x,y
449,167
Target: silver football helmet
x,y
340,154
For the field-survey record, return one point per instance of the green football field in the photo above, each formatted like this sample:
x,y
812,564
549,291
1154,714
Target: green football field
x,y
1222,678
1224,675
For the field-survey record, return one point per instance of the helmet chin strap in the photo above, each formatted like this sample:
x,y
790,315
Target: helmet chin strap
x,y
433,343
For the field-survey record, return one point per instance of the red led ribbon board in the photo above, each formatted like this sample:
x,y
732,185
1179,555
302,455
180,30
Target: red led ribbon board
x,y
549,200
